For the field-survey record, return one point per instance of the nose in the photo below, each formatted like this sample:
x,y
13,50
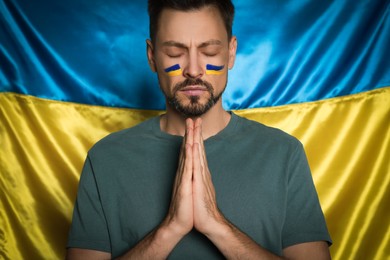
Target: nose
x,y
193,69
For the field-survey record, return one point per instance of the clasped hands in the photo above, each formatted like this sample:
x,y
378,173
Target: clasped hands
x,y
193,203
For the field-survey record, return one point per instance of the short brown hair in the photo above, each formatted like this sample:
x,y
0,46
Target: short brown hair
x,y
155,7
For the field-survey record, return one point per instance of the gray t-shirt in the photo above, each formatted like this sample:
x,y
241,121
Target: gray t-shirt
x,y
261,177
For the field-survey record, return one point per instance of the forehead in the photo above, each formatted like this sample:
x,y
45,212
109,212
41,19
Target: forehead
x,y
195,25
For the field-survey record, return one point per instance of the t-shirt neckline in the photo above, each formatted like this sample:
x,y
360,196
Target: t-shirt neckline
x,y
227,131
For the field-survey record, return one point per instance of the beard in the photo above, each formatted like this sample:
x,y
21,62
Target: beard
x,y
194,108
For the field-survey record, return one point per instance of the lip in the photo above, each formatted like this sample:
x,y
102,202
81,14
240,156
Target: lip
x,y
193,90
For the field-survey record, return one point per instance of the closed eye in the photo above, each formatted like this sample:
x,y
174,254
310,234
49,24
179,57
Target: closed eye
x,y
210,54
174,52
176,55
211,50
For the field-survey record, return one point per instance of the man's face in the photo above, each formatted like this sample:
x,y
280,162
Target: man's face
x,y
191,56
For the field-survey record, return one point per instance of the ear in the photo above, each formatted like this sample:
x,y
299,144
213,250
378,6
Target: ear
x,y
232,51
150,53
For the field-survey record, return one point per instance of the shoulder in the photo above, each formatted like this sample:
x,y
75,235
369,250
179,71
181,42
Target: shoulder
x,y
263,134
126,137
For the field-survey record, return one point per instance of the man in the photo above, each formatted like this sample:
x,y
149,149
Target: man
x,y
231,188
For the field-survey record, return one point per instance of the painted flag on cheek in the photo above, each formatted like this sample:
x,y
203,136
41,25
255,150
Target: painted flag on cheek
x,y
174,70
214,70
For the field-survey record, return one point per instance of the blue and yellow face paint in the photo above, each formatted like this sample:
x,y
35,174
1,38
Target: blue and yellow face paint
x,y
174,70
214,70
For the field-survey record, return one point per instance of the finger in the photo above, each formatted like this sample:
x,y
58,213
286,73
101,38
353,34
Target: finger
x,y
184,171
196,162
179,172
198,138
197,130
203,152
201,158
187,139
189,135
182,159
196,147
188,164
182,162
182,155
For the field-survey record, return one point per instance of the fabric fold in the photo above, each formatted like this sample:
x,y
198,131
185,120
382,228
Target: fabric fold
x,y
44,144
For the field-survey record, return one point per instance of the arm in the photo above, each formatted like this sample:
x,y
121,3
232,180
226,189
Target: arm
x,y
231,242
80,254
178,222
311,250
157,245
235,244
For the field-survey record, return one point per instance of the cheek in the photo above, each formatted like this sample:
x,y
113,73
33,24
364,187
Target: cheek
x,y
218,82
166,82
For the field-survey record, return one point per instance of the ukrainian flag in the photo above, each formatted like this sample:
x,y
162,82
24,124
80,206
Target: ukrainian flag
x,y
214,70
174,70
72,72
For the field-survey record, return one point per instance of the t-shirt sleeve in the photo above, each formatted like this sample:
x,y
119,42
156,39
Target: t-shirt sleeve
x,y
89,228
305,220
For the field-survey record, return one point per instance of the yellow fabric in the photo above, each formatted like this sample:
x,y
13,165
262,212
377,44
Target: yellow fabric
x,y
43,145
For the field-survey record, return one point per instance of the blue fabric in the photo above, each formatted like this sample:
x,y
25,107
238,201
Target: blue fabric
x,y
291,51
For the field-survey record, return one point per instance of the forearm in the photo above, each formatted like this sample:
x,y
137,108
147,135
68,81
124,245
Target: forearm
x,y
234,244
156,245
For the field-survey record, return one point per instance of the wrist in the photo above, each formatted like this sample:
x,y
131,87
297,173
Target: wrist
x,y
169,230
217,229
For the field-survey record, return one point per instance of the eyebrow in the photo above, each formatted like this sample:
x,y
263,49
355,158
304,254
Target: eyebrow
x,y
210,42
183,46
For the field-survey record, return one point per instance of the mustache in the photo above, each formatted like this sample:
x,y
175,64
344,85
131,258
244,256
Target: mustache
x,y
191,82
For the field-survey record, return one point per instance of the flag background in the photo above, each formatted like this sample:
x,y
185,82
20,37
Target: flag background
x,y
72,72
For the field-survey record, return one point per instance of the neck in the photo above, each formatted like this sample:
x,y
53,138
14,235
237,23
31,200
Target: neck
x,y
213,121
